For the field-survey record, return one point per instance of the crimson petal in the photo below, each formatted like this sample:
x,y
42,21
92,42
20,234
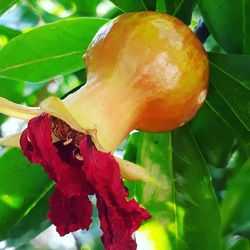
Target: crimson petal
x,y
99,173
36,143
119,217
69,214
57,160
70,208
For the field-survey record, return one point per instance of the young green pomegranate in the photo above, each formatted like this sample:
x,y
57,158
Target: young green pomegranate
x,y
145,71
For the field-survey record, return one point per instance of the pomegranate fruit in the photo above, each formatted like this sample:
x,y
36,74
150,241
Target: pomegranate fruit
x,y
145,71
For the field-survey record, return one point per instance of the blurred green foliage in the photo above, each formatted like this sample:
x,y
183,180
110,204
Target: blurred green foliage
x,y
199,194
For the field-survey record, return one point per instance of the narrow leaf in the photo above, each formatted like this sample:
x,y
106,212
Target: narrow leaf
x,y
6,4
218,105
181,198
161,6
150,4
182,9
229,23
214,137
49,50
130,5
8,32
229,77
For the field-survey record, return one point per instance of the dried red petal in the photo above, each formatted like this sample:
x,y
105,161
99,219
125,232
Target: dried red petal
x,y
36,143
69,213
98,173
57,160
70,201
119,217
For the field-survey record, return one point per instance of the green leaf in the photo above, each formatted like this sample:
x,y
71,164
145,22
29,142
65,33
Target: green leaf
x,y
229,23
181,199
239,243
230,78
235,207
6,4
49,50
227,116
150,4
8,32
24,191
211,45
130,5
214,137
182,9
161,6
235,242
12,90
132,147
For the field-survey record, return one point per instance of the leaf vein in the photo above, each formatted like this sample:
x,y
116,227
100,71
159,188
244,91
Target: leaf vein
x,y
178,8
230,106
229,75
34,203
40,60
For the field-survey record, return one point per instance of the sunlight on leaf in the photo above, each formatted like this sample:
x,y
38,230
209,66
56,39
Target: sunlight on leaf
x,y
152,236
51,57
11,200
184,202
3,40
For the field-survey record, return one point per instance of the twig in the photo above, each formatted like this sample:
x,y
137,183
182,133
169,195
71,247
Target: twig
x,y
201,31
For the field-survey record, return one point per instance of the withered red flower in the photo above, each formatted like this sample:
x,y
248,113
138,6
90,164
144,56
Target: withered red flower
x,y
141,83
79,170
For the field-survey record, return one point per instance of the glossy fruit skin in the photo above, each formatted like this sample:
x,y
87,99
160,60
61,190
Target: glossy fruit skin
x,y
156,60
145,71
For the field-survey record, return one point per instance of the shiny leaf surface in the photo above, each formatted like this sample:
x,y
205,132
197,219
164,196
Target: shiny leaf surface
x,y
180,199
8,32
230,78
229,23
214,137
235,243
54,49
161,6
227,116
